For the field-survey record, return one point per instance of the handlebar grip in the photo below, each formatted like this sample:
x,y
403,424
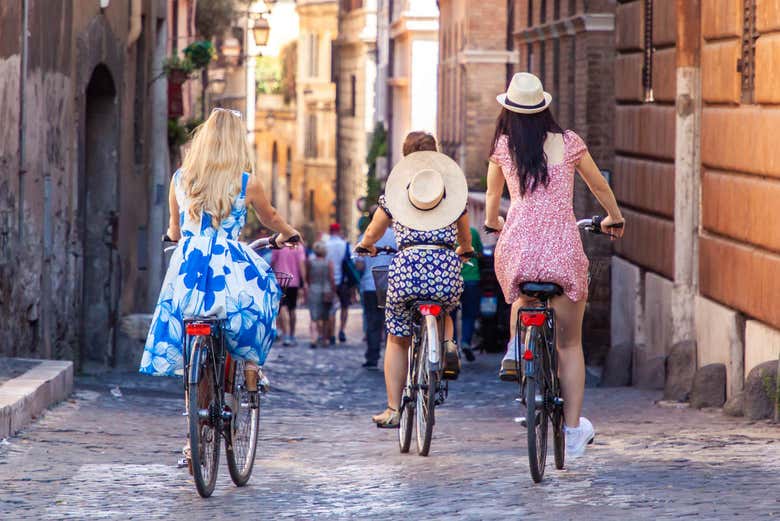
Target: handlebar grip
x,y
295,239
616,225
597,223
488,229
360,249
165,238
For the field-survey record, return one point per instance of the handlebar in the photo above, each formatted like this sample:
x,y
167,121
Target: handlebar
x,y
593,225
270,242
386,250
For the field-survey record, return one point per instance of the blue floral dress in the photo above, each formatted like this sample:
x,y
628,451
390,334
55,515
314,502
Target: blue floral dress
x,y
211,274
421,274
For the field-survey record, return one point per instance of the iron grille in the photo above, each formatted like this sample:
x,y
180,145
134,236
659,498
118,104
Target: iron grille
x,y
647,67
746,65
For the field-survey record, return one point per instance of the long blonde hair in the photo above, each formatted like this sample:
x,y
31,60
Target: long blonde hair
x,y
214,163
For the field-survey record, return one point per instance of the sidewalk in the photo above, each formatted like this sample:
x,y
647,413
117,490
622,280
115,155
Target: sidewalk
x,y
28,387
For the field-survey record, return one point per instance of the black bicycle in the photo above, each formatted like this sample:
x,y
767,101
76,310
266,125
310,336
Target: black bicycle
x,y
218,400
540,387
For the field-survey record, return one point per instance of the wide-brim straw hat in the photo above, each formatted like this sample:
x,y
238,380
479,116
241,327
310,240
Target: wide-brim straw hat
x,y
426,191
525,95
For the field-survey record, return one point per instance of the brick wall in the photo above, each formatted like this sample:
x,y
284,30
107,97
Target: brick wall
x,y
740,166
644,136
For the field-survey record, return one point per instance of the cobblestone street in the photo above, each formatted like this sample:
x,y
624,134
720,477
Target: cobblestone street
x,y
101,456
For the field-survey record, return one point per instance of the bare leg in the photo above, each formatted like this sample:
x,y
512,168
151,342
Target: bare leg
x,y
396,367
282,322
449,328
291,314
571,361
344,316
250,375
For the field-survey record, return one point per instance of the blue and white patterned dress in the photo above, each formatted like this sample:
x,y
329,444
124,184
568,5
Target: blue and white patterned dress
x,y
211,274
421,274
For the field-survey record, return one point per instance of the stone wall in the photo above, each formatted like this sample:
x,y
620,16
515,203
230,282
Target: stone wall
x,y
48,239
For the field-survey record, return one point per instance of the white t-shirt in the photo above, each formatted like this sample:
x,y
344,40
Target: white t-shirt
x,y
337,249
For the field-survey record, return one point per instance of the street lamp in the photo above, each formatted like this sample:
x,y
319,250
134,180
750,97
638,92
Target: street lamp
x,y
260,31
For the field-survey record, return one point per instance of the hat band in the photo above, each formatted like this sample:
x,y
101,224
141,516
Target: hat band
x,y
525,107
422,209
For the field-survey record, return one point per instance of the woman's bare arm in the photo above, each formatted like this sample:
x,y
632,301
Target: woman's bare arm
x,y
591,174
255,196
464,235
375,230
174,229
495,188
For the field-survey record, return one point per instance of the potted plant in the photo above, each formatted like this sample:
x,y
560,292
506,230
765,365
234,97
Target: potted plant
x,y
177,68
200,53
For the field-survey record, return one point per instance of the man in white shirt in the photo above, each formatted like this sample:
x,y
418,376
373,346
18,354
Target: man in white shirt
x,y
338,250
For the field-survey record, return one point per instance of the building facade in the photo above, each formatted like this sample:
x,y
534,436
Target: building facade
x,y
83,146
413,52
356,82
475,56
316,112
697,102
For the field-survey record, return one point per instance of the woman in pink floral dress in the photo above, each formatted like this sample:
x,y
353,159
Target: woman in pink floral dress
x,y
540,241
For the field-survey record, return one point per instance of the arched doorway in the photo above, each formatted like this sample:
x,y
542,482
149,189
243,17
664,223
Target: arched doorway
x,y
99,207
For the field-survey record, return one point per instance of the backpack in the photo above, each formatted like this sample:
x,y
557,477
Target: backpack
x,y
349,272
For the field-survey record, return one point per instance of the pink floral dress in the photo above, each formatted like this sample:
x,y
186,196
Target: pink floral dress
x,y
540,241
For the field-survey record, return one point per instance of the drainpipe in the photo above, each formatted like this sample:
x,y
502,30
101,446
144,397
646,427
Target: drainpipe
x,y
687,165
135,22
510,40
22,116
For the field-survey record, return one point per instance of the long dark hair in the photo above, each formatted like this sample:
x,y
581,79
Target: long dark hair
x,y
526,134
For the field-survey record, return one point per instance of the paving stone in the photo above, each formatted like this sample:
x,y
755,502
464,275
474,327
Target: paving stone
x,y
96,456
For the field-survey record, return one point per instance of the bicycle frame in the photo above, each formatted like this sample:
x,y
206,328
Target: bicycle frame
x,y
540,316
194,360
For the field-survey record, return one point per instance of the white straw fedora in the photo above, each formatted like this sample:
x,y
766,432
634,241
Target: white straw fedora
x,y
426,191
525,95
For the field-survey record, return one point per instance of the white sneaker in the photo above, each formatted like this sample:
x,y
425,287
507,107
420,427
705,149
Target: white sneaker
x,y
577,439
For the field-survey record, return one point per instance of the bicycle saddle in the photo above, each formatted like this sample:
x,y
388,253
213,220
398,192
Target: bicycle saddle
x,y
541,290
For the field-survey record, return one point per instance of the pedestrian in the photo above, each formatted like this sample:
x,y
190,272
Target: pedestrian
x,y
540,240
321,291
427,226
346,279
469,301
211,273
293,262
373,316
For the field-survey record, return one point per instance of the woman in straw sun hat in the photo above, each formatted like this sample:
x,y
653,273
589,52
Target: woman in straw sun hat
x,y
540,241
425,202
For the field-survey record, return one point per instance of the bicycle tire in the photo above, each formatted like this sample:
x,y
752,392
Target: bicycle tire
x,y
556,416
204,434
406,426
242,432
426,397
536,415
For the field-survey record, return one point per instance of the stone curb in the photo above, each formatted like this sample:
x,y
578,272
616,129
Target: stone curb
x,y
26,396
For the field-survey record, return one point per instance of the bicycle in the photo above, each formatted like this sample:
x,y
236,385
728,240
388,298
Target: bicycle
x,y
425,387
540,388
217,399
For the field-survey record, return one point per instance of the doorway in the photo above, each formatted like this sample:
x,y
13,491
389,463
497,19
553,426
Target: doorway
x,y
99,207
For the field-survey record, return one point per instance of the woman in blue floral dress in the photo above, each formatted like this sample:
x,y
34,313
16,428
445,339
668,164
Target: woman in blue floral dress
x,y
211,274
425,202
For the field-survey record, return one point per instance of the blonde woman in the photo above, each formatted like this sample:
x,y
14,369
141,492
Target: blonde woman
x,y
211,273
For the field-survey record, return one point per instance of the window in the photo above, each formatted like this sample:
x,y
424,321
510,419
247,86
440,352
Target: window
x,y
529,55
352,96
572,7
313,44
543,11
310,144
746,65
556,78
274,173
288,176
530,13
311,205
543,62
556,9
647,67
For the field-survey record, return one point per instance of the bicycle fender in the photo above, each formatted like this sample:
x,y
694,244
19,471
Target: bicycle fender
x,y
195,352
434,346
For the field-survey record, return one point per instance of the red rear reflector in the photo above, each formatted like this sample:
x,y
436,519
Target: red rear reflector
x,y
530,318
198,329
528,355
430,309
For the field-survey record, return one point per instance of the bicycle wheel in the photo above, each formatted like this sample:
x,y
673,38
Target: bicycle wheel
x,y
426,396
203,418
407,407
241,440
536,412
556,401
